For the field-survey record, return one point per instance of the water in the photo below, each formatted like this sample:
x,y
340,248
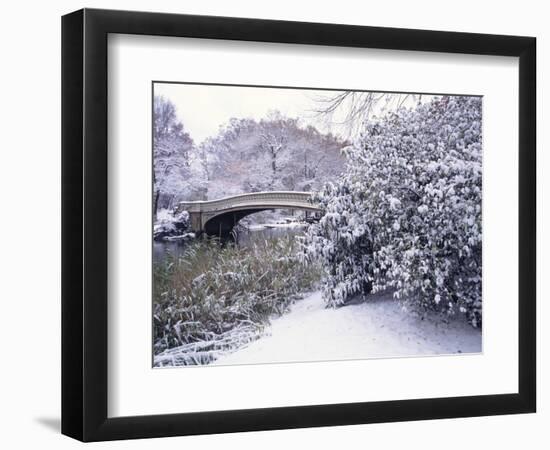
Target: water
x,y
163,248
248,237
245,237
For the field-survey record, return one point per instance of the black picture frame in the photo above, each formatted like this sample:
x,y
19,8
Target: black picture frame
x,y
84,224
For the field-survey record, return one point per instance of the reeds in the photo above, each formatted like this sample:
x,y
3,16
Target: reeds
x,y
215,298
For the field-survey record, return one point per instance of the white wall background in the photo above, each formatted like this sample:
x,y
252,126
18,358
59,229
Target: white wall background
x,y
30,226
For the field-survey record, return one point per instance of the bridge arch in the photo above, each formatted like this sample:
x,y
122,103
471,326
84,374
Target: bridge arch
x,y
218,217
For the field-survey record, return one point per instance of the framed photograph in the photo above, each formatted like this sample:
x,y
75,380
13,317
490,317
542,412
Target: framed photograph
x,y
273,224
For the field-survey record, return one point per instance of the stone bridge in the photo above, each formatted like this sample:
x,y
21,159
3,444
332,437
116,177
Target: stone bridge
x,y
218,217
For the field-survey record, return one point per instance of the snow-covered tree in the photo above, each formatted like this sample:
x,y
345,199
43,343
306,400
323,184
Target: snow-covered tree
x,y
406,214
316,159
174,173
274,153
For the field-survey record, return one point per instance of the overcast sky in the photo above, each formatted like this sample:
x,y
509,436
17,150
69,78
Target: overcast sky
x,y
204,108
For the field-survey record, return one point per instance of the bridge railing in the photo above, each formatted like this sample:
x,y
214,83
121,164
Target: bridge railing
x,y
243,199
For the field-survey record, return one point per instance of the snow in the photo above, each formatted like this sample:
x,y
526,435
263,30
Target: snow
x,y
374,329
285,225
256,227
263,226
169,225
181,237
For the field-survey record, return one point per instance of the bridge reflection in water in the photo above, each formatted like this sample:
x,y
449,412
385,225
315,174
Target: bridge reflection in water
x,y
218,217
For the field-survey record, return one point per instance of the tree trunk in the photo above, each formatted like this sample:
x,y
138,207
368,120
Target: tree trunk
x,y
155,204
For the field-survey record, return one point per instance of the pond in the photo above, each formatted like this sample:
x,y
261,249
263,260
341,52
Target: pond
x,y
244,237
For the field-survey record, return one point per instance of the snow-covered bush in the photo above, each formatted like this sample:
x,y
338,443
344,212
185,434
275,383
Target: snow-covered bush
x,y
342,241
169,223
406,214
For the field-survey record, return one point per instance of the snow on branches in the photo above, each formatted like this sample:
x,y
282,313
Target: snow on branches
x,y
406,213
177,169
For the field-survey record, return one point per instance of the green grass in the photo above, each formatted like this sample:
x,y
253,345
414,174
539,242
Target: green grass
x,y
214,297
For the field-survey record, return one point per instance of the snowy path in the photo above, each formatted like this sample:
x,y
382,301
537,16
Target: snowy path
x,y
379,328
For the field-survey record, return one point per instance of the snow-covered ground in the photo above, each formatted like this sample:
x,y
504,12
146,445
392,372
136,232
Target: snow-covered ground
x,y
378,328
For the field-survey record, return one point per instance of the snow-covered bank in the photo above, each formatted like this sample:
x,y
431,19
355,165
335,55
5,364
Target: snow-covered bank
x,y
170,225
277,224
378,328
